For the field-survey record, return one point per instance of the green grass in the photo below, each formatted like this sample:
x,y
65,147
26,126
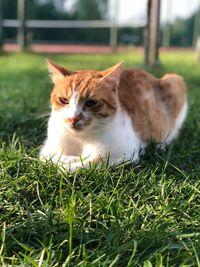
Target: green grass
x,y
142,215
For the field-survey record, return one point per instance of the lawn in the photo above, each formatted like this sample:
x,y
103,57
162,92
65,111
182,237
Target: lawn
x,y
142,215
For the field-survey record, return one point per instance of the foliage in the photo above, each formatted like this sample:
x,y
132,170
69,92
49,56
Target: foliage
x,y
88,9
146,214
47,10
182,30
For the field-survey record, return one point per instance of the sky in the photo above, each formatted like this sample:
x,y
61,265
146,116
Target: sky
x,y
170,9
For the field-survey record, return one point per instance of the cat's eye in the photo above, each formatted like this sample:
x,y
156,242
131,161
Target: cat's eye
x,y
90,103
63,100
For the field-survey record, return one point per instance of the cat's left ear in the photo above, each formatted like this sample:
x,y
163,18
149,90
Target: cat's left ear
x,y
56,71
112,75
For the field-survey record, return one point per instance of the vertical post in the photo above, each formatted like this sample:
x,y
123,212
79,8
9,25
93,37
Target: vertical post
x,y
1,24
21,36
196,31
114,27
197,49
152,33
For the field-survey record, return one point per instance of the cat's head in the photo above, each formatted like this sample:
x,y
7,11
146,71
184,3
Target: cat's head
x,y
84,99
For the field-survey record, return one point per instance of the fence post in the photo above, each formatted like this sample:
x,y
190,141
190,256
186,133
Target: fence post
x,y
114,27
1,24
21,35
196,31
152,33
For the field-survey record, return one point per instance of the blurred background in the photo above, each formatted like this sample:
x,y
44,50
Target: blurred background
x,y
108,23
92,21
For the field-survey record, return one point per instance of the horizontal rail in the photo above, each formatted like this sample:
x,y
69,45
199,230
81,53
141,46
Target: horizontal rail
x,y
14,23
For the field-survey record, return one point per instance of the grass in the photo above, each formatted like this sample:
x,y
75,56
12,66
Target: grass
x,y
143,215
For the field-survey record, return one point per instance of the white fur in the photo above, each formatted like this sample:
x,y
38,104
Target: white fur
x,y
74,108
179,122
115,137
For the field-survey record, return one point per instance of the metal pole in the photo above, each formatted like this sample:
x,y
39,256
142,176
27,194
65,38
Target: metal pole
x,y
1,23
114,27
152,33
21,35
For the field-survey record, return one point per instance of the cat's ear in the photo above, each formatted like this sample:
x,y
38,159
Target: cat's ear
x,y
56,71
112,75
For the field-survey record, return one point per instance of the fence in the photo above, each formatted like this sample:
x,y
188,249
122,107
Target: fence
x,y
151,33
68,24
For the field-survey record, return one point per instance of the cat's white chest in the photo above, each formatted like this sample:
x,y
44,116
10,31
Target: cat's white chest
x,y
118,140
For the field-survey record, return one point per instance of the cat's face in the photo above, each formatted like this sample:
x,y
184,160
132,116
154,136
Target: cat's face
x,y
84,99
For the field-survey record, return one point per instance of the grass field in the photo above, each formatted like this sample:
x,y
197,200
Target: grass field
x,y
142,215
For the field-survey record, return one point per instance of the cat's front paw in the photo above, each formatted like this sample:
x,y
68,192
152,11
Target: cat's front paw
x,y
71,167
68,160
59,159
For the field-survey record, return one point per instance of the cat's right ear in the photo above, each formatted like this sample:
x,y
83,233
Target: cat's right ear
x,y
112,74
56,71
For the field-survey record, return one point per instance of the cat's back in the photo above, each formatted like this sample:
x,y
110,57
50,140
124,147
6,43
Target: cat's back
x,y
135,75
136,88
153,104
136,82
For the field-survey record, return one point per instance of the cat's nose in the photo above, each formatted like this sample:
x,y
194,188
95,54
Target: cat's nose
x,y
74,120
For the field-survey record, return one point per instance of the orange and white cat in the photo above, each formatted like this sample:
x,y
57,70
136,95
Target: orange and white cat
x,y
115,113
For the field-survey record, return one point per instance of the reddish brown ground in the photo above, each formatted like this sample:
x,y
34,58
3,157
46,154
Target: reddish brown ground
x,y
70,49
79,49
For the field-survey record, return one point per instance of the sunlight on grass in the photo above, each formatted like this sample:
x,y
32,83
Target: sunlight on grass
x,y
141,215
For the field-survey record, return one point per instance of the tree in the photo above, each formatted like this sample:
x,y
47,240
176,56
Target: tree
x,y
182,31
91,9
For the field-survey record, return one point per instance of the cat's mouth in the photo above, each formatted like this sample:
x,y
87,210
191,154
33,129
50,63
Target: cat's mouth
x,y
78,126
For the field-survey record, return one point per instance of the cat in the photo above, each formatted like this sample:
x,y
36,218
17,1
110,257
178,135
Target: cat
x,y
112,114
